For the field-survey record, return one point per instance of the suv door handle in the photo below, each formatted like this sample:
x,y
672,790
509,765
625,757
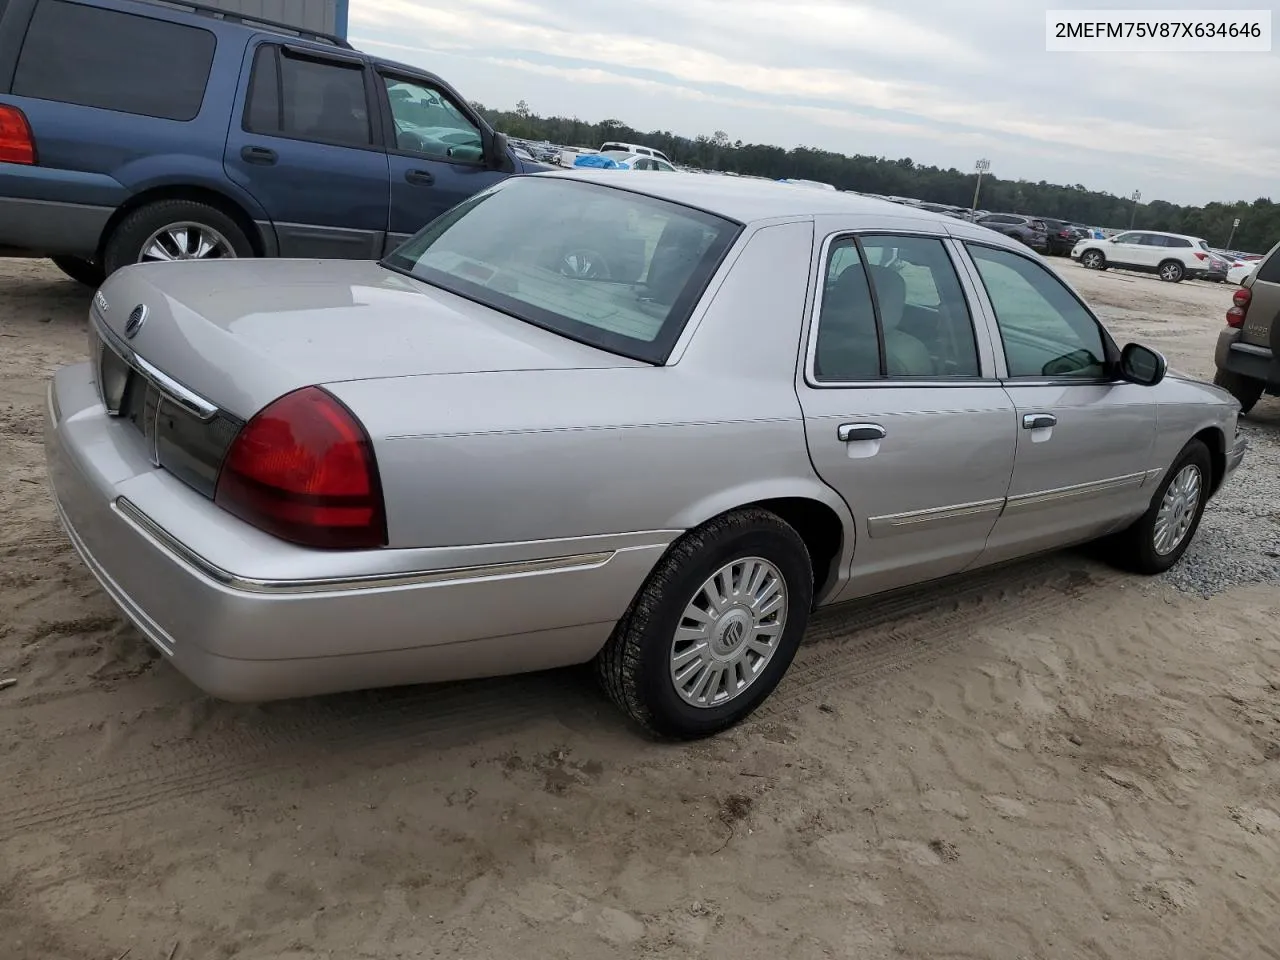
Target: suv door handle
x,y
1034,421
260,155
422,177
852,432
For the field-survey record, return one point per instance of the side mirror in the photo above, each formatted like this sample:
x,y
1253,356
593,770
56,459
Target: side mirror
x,y
501,159
1142,365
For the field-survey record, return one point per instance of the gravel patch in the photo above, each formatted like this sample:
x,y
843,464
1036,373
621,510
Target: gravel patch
x,y
1238,542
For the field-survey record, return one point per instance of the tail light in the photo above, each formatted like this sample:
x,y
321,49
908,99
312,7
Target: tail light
x,y
16,143
1241,298
1201,256
303,470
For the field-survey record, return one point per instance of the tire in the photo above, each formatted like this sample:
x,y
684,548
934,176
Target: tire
x,y
1246,390
126,243
1093,260
635,667
1171,271
1136,548
81,270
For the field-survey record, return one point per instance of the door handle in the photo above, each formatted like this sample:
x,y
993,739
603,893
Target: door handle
x,y
852,432
1034,421
260,155
423,177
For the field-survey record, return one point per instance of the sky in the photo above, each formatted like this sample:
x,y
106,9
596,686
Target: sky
x,y
943,82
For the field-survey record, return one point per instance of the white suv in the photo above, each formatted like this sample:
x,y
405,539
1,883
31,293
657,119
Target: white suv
x,y
1171,256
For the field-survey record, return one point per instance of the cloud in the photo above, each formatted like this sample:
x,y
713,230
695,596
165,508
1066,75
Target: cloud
x,y
950,76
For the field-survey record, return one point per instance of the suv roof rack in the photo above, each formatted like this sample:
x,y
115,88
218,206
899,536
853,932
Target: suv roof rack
x,y
249,20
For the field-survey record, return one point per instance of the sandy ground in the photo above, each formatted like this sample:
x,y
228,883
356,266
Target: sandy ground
x,y
1052,760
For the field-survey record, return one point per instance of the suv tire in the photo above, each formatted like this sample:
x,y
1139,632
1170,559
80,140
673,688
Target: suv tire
x,y
1136,546
136,231
1246,390
1172,271
81,270
1093,260
638,665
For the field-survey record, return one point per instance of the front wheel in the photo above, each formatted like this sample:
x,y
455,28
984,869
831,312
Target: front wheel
x,y
1159,538
1171,271
1092,260
175,230
1246,390
714,627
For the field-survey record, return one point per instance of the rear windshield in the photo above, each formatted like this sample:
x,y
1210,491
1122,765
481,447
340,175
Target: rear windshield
x,y
604,266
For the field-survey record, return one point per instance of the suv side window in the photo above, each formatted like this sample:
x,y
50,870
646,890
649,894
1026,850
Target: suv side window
x,y
1128,238
426,122
94,57
1046,331
305,99
918,313
1268,271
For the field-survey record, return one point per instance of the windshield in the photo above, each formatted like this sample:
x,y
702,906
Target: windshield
x,y
607,267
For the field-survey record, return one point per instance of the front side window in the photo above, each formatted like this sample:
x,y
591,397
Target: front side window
x,y
1045,329
307,99
607,267
100,58
919,318
428,123
1128,238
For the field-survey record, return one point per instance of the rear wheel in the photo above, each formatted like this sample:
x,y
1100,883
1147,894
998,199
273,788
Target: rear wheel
x,y
1171,271
1246,390
175,230
81,270
1093,260
713,629
1159,538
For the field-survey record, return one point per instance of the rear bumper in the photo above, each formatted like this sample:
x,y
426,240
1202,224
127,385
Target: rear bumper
x,y
45,228
1246,359
198,584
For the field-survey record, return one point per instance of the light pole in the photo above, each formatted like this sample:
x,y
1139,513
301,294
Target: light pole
x,y
1137,195
1234,223
982,166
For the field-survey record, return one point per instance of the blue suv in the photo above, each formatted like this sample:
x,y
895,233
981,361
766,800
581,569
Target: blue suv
x,y
133,131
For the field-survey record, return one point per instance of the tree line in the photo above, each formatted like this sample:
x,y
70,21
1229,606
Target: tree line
x,y
1259,221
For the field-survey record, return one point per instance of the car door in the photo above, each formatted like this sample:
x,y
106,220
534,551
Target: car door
x,y
1084,437
1127,249
903,413
306,145
436,152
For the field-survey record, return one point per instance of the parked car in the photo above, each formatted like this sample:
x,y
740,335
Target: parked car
x,y
1029,230
1248,352
282,514
636,148
133,131
1173,257
1061,236
1217,269
1240,269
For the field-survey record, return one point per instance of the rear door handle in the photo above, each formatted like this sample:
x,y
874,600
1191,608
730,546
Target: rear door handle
x,y
852,432
1035,421
259,155
423,177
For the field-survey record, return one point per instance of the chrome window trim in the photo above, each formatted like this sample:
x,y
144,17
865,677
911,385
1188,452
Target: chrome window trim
x,y
131,513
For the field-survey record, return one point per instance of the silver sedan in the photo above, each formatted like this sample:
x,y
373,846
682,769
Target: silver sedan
x,y
647,422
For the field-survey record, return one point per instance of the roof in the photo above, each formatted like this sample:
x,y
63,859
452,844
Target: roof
x,y
747,200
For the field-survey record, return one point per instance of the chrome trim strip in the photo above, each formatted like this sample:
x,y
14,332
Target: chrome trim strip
x,y
149,528
916,520
1252,349
189,400
1081,491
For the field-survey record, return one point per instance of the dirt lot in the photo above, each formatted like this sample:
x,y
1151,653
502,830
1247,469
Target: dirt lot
x,y
1049,761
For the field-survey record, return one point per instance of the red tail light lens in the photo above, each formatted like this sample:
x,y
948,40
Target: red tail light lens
x,y
1201,256
16,143
1241,298
303,470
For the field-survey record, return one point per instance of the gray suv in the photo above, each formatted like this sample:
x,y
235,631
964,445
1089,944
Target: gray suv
x,y
1249,346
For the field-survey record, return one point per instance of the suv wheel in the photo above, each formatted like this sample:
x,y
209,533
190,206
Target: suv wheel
x,y
175,230
1246,390
1093,260
81,270
1171,271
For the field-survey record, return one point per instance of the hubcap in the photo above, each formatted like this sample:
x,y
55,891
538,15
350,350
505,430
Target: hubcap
x,y
1177,510
185,241
1091,260
729,632
1170,272
584,265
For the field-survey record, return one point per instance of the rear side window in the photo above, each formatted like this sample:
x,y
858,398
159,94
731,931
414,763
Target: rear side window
x,y
306,99
1269,270
114,61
